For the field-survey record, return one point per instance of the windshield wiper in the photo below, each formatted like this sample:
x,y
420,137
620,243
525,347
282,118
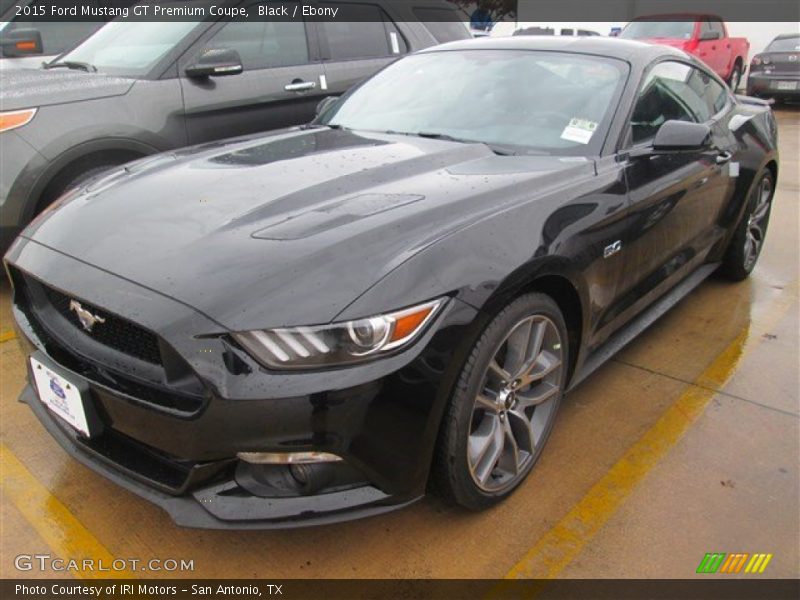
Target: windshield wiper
x,y
442,136
497,149
71,64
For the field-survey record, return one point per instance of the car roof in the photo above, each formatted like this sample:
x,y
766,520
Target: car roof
x,y
628,50
787,36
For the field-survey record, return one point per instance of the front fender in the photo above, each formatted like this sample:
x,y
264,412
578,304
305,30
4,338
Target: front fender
x,y
484,266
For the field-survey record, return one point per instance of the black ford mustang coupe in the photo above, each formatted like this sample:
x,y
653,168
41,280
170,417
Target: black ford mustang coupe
x,y
322,322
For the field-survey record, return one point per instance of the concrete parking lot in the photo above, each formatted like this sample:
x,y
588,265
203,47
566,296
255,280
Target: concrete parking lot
x,y
688,442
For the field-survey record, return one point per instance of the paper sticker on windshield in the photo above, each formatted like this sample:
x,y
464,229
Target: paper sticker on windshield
x,y
579,130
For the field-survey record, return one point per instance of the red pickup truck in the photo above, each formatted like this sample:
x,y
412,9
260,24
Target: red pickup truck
x,y
704,36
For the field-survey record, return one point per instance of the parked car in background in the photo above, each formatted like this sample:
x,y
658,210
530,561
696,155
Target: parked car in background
x,y
704,36
567,32
26,43
775,72
136,88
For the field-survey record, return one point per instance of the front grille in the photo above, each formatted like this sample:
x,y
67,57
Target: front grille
x,y
118,382
68,345
115,332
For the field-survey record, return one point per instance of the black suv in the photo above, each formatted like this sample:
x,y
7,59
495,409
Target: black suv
x,y
137,88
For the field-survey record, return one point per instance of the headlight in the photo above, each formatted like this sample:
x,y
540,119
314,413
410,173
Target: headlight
x,y
340,343
16,118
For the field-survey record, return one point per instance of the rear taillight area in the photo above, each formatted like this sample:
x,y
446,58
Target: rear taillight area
x,y
760,62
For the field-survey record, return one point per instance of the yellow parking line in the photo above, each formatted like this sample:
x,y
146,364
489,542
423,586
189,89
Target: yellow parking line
x,y
561,544
7,335
55,524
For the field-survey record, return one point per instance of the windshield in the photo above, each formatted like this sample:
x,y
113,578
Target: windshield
x,y
639,30
791,44
129,48
554,102
5,5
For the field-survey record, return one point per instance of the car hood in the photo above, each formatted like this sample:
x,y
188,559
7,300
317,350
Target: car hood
x,y
24,62
28,88
290,228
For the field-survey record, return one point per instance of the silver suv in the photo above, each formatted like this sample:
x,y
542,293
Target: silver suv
x,y
137,88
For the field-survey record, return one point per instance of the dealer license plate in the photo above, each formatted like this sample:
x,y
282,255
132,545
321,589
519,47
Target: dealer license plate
x,y
60,396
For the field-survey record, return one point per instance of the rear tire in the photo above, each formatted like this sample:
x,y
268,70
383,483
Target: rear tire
x,y
504,404
748,239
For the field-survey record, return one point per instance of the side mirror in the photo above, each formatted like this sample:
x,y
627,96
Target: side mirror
x,y
325,104
706,36
216,62
677,136
682,135
22,42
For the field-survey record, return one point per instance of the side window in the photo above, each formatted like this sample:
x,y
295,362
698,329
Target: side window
x,y
716,96
373,36
264,44
671,91
442,24
716,25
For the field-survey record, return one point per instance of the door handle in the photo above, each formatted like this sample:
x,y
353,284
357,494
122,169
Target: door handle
x,y
300,86
723,157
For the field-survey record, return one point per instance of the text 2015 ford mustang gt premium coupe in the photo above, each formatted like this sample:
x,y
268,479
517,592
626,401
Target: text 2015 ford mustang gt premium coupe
x,y
317,324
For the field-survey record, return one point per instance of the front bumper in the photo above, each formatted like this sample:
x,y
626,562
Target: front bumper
x,y
212,506
382,418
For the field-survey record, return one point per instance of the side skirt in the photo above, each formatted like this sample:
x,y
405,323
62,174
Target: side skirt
x,y
621,338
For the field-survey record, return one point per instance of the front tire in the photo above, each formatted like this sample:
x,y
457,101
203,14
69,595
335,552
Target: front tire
x,y
504,404
748,239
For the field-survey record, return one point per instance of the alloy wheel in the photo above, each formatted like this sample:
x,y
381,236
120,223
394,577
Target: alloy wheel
x,y
757,223
515,404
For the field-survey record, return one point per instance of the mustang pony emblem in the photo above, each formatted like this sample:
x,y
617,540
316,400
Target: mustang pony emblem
x,y
87,319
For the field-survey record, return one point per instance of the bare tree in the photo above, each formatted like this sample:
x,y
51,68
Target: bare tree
x,y
498,9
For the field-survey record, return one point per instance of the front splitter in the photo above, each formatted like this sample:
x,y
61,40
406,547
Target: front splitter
x,y
213,506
